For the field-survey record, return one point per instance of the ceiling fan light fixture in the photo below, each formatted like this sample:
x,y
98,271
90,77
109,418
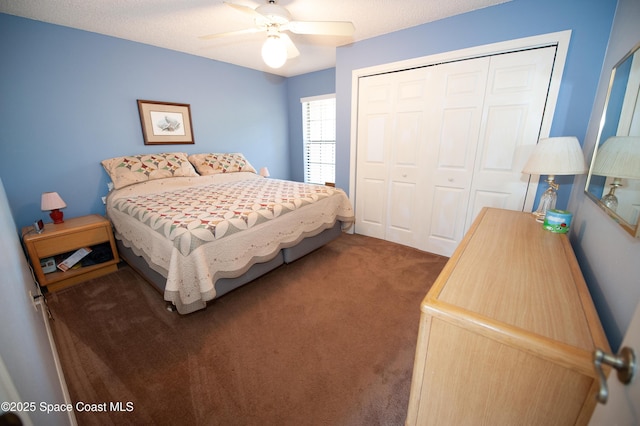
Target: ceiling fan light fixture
x,y
274,52
273,14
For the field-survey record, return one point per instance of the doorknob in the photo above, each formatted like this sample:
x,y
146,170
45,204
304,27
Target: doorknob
x,y
625,363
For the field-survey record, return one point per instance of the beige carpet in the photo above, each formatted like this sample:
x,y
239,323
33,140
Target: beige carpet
x,y
327,340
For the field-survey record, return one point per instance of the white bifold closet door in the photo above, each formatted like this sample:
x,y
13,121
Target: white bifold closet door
x,y
436,144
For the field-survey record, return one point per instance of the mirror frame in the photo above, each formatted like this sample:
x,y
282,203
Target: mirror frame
x,y
634,230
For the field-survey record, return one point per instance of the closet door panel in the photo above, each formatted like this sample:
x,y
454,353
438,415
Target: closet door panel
x,y
458,126
455,102
373,148
515,98
444,220
405,224
372,204
391,122
401,213
371,200
438,143
503,131
404,174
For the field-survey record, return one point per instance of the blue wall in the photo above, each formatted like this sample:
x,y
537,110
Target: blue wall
x,y
68,97
590,21
68,101
608,255
312,84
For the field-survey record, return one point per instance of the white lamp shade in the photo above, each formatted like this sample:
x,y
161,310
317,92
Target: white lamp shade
x,y
556,156
264,172
618,157
274,52
52,201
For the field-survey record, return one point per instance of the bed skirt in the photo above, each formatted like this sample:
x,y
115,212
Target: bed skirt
x,y
225,285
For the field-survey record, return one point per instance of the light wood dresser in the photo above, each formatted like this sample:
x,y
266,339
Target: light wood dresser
x,y
507,331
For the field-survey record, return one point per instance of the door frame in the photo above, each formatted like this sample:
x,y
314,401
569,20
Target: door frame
x,y
559,39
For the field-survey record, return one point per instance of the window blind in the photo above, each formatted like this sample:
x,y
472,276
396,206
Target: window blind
x,y
319,128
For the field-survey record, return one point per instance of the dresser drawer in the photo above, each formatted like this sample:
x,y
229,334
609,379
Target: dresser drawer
x,y
71,241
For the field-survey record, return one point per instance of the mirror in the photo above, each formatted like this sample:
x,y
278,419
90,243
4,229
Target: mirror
x,y
614,175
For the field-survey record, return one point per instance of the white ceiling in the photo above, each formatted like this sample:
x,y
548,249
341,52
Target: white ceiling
x,y
177,24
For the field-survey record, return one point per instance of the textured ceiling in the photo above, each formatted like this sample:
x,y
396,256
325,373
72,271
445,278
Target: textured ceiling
x,y
177,25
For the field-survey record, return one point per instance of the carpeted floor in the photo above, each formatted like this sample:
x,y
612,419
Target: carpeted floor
x,y
327,340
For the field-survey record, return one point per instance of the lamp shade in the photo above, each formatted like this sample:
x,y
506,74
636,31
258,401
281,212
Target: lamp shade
x,y
618,157
274,52
52,201
556,156
264,172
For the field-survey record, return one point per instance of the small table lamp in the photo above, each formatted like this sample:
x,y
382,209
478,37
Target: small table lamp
x,y
551,157
264,172
53,202
618,157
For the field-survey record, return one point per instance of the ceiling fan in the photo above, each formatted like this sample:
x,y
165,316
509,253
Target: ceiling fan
x,y
274,19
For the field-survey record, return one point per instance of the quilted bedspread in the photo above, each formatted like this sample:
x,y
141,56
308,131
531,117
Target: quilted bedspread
x,y
195,230
193,216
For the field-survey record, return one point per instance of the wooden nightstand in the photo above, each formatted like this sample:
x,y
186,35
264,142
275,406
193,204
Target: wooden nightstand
x,y
67,237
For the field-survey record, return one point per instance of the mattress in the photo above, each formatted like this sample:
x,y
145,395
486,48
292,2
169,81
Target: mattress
x,y
195,231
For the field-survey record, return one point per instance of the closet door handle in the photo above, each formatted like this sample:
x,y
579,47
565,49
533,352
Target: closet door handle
x,y
624,363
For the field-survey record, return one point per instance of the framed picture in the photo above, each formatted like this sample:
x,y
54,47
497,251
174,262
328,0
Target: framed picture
x,y
165,123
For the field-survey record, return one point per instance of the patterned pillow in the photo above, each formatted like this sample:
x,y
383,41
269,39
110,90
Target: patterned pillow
x,y
125,171
211,164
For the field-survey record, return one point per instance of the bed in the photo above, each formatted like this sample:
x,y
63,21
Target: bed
x,y
199,226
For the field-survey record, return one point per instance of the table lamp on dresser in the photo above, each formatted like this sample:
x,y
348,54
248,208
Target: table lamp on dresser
x,y
553,157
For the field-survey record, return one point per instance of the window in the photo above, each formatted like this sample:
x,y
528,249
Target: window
x,y
319,132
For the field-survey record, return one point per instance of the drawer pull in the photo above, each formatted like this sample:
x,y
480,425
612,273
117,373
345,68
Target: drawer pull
x,y
624,363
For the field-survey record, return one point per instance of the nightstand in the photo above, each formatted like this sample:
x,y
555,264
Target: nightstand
x,y
61,240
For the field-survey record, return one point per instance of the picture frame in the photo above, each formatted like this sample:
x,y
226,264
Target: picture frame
x,y
165,123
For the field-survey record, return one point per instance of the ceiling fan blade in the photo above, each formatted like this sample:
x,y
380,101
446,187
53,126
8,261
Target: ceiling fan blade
x,y
231,33
292,50
244,9
337,28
